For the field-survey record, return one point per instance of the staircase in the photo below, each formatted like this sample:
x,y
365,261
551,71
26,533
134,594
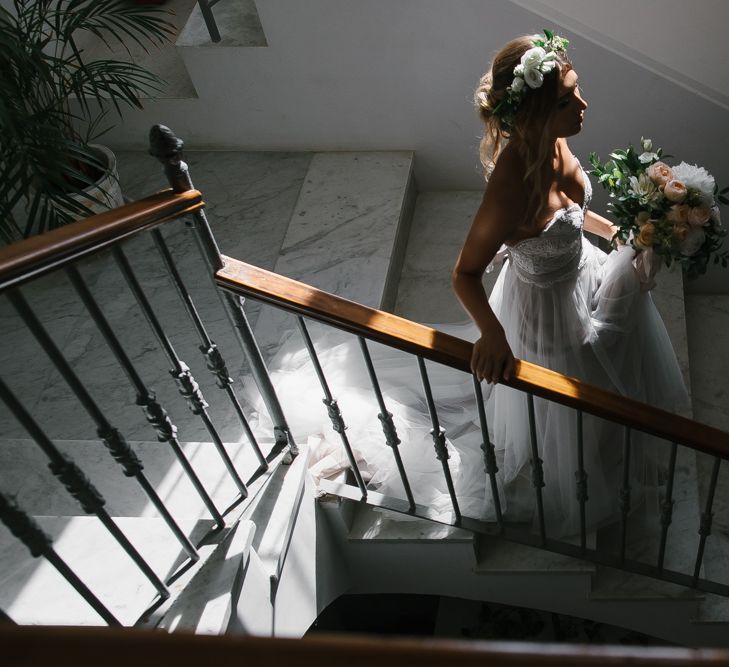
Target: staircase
x,y
351,223
361,550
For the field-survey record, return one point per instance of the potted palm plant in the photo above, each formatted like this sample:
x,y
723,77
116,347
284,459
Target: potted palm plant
x,y
54,102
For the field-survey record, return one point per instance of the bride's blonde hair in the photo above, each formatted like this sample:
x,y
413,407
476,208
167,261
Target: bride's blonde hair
x,y
528,126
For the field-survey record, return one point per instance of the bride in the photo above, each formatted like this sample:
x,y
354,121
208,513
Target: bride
x,y
559,302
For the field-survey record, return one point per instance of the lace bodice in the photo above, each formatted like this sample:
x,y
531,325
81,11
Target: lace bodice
x,y
555,254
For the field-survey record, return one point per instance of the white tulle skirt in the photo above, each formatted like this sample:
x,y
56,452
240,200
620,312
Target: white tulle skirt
x,y
597,326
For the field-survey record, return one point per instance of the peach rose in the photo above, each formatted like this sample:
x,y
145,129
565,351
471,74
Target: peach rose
x,y
681,230
675,191
645,237
698,216
678,213
660,173
642,218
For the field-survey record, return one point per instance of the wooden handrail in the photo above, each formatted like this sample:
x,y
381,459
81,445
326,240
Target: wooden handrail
x,y
36,255
75,647
428,343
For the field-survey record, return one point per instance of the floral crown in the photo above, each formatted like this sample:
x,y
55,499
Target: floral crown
x,y
529,73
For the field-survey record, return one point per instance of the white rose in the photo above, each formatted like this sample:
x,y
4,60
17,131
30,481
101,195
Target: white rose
x,y
549,62
693,241
533,78
533,58
532,61
517,84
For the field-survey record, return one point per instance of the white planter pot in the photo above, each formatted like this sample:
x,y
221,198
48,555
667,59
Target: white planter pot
x,y
106,189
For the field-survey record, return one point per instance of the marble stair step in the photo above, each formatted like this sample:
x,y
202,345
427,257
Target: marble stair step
x,y
163,60
238,24
372,524
497,556
347,234
613,584
24,474
32,591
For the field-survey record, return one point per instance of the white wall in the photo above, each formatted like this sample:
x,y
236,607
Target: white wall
x,y
685,41
399,75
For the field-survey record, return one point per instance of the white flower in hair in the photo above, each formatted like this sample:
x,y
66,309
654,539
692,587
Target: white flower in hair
x,y
535,63
529,73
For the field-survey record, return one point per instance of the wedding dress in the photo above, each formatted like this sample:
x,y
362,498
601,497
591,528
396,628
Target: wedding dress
x,y
564,304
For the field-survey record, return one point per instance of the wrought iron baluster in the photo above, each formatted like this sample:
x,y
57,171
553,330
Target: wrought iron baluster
x,y
77,484
186,384
206,9
388,426
439,439
213,358
155,414
167,148
112,438
537,469
335,414
624,502
706,519
39,544
581,479
489,453
667,507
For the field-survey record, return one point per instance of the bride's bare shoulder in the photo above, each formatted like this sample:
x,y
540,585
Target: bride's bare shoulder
x,y
505,187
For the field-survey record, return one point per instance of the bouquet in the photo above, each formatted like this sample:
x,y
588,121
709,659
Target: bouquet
x,y
668,214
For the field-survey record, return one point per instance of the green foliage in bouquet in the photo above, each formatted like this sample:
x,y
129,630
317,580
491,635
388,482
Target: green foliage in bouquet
x,y
49,90
670,210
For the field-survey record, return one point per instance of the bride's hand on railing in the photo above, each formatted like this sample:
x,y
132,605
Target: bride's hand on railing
x,y
492,359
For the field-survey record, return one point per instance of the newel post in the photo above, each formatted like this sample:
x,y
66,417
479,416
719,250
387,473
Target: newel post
x,y
167,148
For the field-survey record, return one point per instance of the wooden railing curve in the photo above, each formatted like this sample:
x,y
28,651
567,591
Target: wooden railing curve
x,y
418,339
29,258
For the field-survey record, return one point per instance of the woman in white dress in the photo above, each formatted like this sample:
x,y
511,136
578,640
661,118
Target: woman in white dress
x,y
559,301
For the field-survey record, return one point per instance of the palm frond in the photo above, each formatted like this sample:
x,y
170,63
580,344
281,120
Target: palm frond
x,y
43,159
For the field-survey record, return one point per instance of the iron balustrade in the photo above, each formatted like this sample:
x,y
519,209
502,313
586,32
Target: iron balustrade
x,y
62,249
424,344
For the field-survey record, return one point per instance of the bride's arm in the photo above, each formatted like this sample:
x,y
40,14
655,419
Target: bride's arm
x,y
596,224
493,224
